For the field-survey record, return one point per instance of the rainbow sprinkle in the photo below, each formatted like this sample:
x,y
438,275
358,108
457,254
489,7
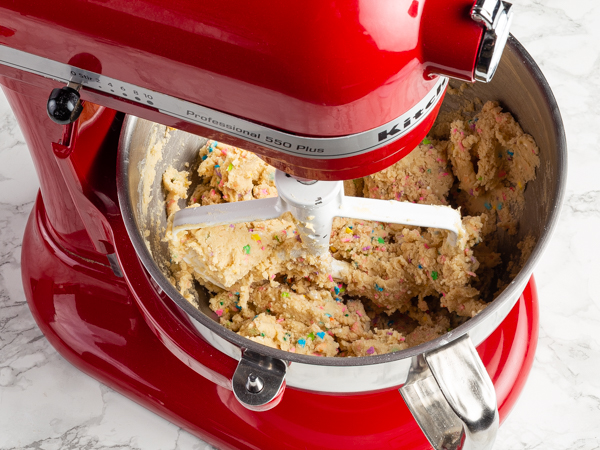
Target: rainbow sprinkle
x,y
321,334
301,342
311,335
247,249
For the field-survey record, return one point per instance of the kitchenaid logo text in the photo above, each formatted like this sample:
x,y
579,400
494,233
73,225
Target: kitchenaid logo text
x,y
405,123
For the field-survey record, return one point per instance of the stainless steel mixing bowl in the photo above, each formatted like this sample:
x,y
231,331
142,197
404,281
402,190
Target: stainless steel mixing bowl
x,y
520,88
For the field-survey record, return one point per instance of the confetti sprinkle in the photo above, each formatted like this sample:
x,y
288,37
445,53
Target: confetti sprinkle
x,y
420,266
425,142
230,167
217,166
381,240
204,157
434,275
255,237
488,206
348,230
371,350
301,342
311,335
247,249
499,206
285,294
219,312
321,334
377,287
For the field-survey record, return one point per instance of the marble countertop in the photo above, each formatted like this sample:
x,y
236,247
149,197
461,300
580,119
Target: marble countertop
x,y
45,403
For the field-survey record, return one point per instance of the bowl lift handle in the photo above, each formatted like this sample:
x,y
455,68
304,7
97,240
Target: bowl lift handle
x,y
452,398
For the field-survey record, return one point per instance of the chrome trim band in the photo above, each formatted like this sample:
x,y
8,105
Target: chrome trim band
x,y
307,147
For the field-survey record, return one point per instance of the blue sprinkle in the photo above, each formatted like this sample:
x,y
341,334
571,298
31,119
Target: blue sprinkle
x,y
510,153
487,206
337,299
499,206
337,290
216,165
301,342
204,157
420,266
237,293
378,287
328,315
321,334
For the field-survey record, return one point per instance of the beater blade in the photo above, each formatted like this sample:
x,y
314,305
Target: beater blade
x,y
314,204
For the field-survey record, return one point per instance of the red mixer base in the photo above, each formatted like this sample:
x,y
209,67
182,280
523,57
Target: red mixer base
x,y
91,318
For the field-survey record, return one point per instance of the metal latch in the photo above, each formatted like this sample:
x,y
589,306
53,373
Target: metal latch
x,y
258,380
496,17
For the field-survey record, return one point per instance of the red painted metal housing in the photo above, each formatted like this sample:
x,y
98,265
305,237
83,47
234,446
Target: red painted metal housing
x,y
310,67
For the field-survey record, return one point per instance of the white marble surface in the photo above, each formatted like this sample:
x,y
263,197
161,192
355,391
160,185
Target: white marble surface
x,y
47,404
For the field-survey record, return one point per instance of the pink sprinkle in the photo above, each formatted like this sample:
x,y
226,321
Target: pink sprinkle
x,y
344,309
371,350
402,339
368,247
445,174
461,307
293,349
219,312
426,246
262,248
231,226
280,320
346,240
330,278
358,314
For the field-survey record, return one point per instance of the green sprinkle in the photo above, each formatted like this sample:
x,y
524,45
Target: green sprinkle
x,y
247,249
262,334
285,294
277,237
311,335
381,240
230,167
434,275
426,141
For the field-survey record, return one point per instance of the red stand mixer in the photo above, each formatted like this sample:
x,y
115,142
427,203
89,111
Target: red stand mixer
x,y
321,91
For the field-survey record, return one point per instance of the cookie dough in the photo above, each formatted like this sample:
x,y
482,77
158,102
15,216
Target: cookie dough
x,y
406,285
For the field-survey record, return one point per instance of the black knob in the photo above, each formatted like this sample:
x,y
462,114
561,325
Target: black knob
x,y
64,105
